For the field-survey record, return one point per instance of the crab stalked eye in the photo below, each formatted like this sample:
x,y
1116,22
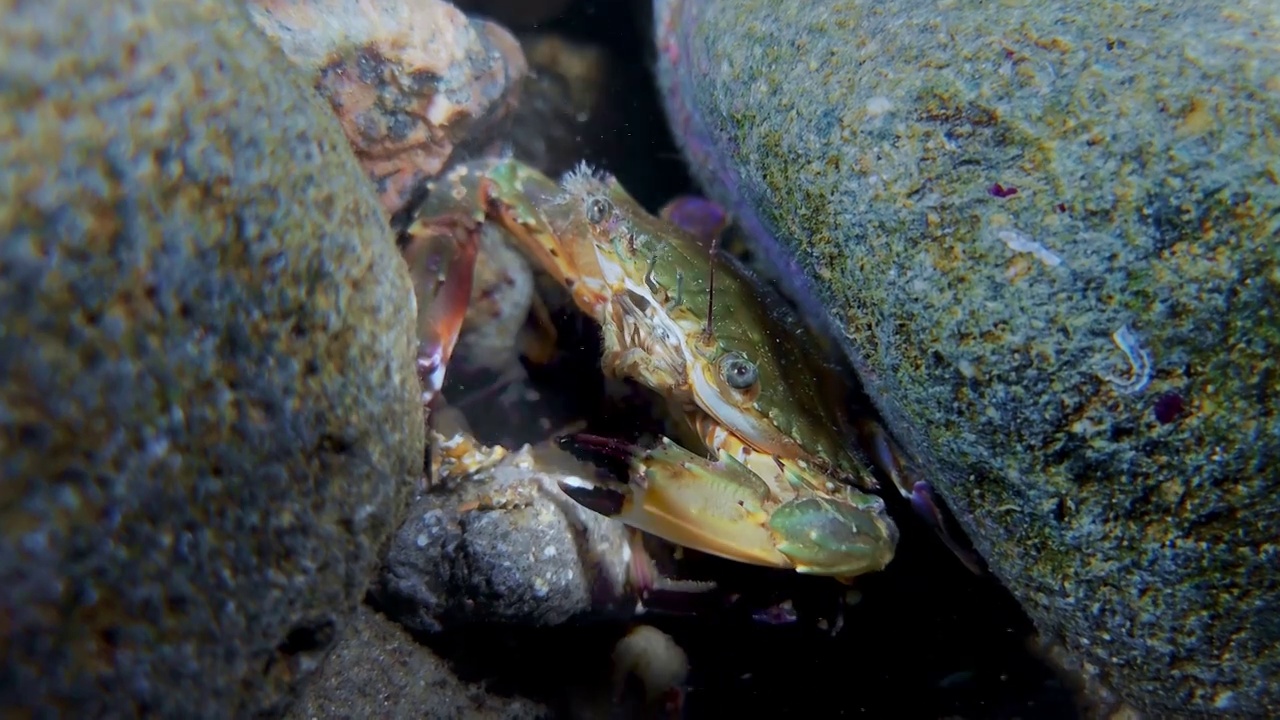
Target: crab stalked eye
x,y
739,373
598,209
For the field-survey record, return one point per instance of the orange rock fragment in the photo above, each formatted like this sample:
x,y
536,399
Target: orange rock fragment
x,y
410,80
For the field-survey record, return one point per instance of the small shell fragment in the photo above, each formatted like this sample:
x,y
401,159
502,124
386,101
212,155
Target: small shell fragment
x,y
1022,243
654,659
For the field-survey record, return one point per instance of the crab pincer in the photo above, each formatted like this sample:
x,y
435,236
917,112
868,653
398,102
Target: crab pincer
x,y
598,497
441,253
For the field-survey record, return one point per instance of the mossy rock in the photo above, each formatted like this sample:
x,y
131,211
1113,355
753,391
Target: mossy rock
x,y
1048,233
209,416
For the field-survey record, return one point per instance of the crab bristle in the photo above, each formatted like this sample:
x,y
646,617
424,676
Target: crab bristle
x,y
583,180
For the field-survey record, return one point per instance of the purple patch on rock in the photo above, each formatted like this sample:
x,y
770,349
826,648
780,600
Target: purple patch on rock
x,y
1002,191
1168,407
696,215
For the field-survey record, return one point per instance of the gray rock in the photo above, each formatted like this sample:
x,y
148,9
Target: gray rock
x,y
377,671
209,421
1086,368
504,546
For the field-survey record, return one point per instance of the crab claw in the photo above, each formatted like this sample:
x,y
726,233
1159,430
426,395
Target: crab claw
x,y
918,492
720,507
595,497
682,498
660,593
656,591
609,500
441,254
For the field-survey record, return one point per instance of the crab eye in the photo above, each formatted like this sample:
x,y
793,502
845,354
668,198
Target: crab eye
x,y
739,373
598,209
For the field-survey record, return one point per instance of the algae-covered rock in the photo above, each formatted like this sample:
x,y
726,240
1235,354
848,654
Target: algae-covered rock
x,y
1048,233
209,419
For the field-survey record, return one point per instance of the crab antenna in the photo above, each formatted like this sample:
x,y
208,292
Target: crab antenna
x,y
711,292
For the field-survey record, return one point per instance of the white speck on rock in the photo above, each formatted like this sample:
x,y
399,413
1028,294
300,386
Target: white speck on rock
x,y
1020,242
549,551
421,540
156,447
878,105
363,513
439,109
36,541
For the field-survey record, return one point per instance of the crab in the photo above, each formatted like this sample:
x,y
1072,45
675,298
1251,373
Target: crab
x,y
757,469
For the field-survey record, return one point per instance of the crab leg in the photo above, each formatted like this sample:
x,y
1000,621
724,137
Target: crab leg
x,y
441,254
886,454
520,203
